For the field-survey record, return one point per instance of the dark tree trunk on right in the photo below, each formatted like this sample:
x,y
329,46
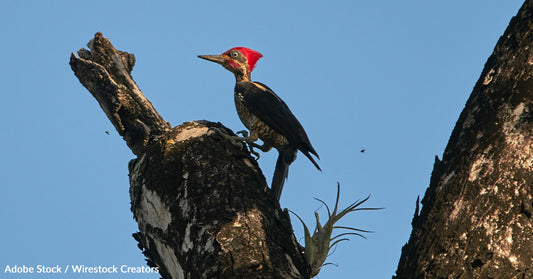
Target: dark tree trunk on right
x,y
476,220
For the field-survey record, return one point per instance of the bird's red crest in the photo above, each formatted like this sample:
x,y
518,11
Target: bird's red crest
x,y
251,56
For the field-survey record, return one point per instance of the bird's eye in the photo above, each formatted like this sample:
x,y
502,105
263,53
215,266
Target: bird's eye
x,y
234,54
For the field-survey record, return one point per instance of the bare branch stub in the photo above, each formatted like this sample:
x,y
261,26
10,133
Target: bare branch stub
x,y
105,72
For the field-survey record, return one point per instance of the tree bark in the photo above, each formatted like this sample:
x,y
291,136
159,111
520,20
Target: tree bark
x,y
202,204
476,219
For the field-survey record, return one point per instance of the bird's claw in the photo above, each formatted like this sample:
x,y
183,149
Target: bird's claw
x,y
256,154
245,139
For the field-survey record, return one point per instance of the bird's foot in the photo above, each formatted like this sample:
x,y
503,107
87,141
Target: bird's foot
x,y
250,141
265,147
238,141
224,134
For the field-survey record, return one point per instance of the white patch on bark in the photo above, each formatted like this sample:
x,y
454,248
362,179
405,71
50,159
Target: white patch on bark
x,y
478,166
209,247
188,240
505,248
490,223
168,259
183,203
509,235
458,206
448,177
187,243
184,206
516,138
244,222
191,132
152,210
509,126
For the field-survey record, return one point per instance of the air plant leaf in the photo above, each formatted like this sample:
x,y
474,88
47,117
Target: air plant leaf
x,y
318,245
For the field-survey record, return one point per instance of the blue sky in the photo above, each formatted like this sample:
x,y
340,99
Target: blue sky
x,y
390,77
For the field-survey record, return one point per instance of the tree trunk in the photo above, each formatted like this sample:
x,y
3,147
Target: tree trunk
x,y
202,204
476,220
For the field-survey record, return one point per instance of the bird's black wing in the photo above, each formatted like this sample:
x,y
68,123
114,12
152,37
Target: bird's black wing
x,y
269,108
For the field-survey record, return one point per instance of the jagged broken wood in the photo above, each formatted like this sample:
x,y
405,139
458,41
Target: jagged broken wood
x,y
201,202
476,220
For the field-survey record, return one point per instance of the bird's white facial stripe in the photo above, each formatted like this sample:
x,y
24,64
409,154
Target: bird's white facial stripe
x,y
260,86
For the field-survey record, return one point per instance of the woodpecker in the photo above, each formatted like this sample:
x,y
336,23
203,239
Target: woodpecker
x,y
266,115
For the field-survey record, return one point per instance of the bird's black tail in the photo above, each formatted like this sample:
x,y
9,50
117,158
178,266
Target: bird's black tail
x,y
285,158
306,153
